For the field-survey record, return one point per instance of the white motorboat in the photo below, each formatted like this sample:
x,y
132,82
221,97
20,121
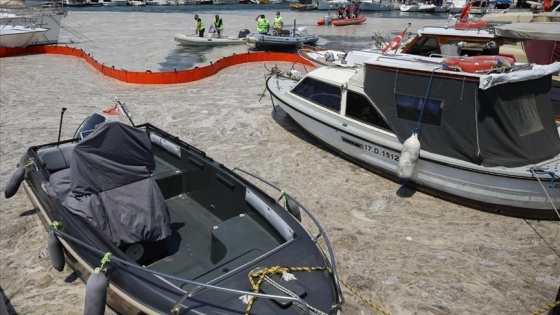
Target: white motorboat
x,y
19,36
331,4
376,5
488,140
49,19
195,40
411,7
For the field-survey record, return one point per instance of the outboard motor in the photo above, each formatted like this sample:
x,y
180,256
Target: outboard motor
x,y
243,33
302,31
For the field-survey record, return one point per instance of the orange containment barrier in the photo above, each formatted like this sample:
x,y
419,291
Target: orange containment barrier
x,y
169,77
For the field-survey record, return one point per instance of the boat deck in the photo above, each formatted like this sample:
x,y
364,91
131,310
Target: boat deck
x,y
204,246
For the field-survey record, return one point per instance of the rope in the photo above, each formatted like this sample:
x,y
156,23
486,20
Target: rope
x,y
417,129
263,273
104,260
377,308
546,308
553,175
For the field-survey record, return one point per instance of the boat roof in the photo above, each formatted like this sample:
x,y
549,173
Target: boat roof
x,y
452,31
334,75
532,30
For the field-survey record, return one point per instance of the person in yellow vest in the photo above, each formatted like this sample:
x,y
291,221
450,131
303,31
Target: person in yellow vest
x,y
278,23
219,25
199,26
263,24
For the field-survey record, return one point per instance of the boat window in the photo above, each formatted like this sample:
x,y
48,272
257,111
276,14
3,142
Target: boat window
x,y
425,46
360,108
410,107
320,93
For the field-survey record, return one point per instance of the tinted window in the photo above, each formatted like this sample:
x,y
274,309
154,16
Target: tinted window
x,y
359,107
425,47
410,107
319,93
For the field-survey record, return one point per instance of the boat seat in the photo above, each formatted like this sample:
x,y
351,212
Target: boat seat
x,y
56,158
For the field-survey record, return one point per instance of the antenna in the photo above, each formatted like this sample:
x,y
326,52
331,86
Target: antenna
x,y
125,110
60,126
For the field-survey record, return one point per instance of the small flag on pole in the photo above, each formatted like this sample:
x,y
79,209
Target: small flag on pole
x,y
115,110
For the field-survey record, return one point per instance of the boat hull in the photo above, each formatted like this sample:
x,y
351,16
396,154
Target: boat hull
x,y
355,21
135,289
509,195
19,36
208,41
280,42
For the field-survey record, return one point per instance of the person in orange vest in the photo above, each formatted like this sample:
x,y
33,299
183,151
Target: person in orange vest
x,y
199,26
341,12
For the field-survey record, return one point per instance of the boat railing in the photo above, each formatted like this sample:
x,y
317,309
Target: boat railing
x,y
196,285
322,233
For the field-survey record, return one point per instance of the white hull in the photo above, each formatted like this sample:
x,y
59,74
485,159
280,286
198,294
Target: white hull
x,y
19,36
370,5
447,177
50,21
331,5
208,41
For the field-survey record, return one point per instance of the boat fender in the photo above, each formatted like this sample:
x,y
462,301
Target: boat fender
x,y
96,294
293,208
55,251
409,157
14,182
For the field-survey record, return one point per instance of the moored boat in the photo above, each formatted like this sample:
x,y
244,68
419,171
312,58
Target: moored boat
x,y
457,123
19,36
350,21
195,40
287,40
167,229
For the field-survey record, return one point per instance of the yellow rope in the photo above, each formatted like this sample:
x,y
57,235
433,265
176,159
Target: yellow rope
x,y
546,308
261,274
362,298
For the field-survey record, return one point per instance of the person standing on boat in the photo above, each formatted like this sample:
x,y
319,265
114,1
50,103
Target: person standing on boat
x,y
219,25
199,26
263,24
341,12
278,23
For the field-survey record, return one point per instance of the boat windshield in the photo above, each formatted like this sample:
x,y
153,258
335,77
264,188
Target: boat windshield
x,y
360,108
320,93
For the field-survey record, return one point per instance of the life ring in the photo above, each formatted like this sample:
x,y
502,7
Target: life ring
x,y
471,24
476,64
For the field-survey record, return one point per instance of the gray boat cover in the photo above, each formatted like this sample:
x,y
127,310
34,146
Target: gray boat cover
x,y
109,183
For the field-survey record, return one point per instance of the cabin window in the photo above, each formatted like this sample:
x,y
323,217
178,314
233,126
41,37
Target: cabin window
x,y
359,107
320,93
425,46
524,115
410,108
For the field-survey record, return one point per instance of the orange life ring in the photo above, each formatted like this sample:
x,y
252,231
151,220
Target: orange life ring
x,y
477,63
471,24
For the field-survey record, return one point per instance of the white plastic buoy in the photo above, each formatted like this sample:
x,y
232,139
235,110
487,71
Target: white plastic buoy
x,y
13,183
55,251
409,157
96,294
293,208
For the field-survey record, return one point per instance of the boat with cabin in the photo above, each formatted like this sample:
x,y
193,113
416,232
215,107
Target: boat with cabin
x,y
486,138
167,229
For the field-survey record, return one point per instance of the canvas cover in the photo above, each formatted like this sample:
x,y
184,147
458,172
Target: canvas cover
x,y
109,184
506,125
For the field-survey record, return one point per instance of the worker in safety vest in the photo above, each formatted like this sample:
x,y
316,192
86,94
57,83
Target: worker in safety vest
x,y
263,24
199,26
219,25
278,23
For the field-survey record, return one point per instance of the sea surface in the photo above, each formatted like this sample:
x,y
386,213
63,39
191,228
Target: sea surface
x,y
241,16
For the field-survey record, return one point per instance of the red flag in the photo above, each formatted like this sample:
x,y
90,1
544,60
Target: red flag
x,y
115,110
465,12
546,5
394,44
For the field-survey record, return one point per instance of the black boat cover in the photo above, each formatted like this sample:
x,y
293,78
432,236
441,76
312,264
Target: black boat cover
x,y
110,185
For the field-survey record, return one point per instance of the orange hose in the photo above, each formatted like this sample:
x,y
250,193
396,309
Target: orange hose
x,y
148,77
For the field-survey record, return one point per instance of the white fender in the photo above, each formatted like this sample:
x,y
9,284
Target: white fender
x,y
409,157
